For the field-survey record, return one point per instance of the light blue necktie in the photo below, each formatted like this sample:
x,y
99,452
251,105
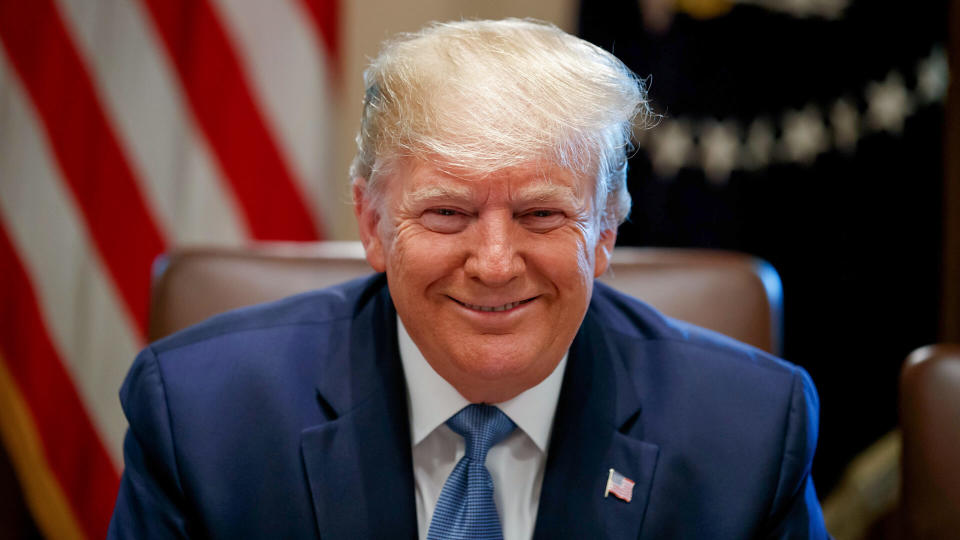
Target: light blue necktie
x,y
465,510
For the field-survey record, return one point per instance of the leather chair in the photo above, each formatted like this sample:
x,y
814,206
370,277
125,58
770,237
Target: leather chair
x,y
731,293
930,423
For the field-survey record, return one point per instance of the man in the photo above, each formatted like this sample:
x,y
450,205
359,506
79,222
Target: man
x,y
484,385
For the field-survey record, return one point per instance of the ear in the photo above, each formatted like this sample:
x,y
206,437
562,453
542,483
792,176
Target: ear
x,y
368,221
604,251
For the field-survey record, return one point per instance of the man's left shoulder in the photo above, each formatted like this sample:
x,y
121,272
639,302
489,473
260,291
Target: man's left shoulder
x,y
653,346
735,427
632,320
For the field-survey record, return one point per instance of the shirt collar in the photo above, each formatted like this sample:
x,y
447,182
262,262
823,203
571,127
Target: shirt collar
x,y
432,400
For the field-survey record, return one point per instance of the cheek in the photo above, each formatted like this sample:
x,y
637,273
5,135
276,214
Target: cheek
x,y
418,255
586,252
404,245
571,259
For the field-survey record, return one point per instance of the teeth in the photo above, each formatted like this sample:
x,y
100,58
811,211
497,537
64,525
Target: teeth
x,y
493,308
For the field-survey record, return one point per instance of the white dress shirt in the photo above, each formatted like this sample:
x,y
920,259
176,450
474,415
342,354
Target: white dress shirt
x,y
516,464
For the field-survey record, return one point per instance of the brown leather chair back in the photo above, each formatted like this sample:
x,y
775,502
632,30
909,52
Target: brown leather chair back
x,y
728,292
930,423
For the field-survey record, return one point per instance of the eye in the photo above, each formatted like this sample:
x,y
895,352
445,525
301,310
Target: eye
x,y
542,219
444,220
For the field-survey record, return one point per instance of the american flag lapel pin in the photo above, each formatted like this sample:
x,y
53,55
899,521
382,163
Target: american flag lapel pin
x,y
619,485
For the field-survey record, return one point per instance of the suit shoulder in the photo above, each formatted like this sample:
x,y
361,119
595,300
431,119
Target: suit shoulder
x,y
312,308
721,413
250,362
634,321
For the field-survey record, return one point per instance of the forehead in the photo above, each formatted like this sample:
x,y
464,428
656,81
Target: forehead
x,y
418,180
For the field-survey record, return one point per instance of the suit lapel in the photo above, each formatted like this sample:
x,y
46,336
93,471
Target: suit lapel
x,y
597,427
359,464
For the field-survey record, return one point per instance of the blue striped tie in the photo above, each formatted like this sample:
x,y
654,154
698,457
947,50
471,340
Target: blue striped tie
x,y
465,510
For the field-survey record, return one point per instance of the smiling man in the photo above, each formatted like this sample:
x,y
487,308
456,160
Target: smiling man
x,y
481,385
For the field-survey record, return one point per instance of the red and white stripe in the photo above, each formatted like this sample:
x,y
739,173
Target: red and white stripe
x,y
127,127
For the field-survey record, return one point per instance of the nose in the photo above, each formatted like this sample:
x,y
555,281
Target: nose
x,y
494,259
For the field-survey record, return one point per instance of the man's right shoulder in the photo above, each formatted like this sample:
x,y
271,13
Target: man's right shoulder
x,y
272,354
289,342
316,309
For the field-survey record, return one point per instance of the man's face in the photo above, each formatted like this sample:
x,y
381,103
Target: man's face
x,y
491,276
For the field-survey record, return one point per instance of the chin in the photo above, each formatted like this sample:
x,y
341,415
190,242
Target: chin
x,y
503,368
488,367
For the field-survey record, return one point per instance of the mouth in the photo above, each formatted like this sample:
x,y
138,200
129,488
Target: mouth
x,y
503,307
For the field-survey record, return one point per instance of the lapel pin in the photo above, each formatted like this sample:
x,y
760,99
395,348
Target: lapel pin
x,y
619,485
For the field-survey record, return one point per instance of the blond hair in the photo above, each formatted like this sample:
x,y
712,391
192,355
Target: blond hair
x,y
483,96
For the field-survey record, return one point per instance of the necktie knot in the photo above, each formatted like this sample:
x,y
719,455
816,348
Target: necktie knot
x,y
481,427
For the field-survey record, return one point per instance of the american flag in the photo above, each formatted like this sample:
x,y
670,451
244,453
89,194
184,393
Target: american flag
x,y
128,127
619,485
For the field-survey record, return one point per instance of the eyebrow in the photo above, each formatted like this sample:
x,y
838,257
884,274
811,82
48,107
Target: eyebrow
x,y
545,192
432,193
540,192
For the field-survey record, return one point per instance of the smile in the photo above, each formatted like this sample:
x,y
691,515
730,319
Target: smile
x,y
504,307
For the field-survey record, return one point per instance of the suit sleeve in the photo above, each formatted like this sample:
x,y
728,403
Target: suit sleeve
x,y
150,503
796,512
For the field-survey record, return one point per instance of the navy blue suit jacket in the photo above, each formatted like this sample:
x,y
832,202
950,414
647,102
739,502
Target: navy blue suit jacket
x,y
289,420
